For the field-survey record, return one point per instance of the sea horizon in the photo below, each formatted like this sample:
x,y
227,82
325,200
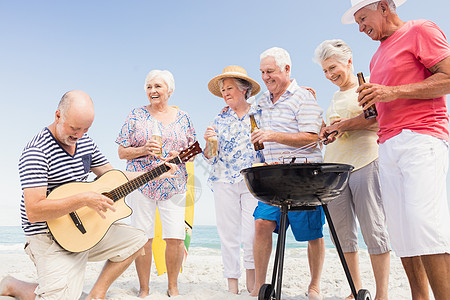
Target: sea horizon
x,y
203,236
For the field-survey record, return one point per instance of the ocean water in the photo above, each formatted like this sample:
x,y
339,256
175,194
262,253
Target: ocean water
x,y
12,239
207,237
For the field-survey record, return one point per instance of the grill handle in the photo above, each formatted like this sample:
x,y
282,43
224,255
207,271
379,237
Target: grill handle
x,y
331,168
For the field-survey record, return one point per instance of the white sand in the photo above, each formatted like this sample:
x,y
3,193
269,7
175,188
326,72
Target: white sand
x,y
202,277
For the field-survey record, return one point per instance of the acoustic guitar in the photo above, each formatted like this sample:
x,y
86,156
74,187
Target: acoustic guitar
x,y
84,228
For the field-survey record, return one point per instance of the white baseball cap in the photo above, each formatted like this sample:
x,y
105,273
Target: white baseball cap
x,y
349,18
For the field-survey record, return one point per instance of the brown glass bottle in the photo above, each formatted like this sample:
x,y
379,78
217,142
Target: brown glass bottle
x,y
257,145
371,112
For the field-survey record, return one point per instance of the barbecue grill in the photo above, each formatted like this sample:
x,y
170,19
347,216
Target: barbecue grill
x,y
299,186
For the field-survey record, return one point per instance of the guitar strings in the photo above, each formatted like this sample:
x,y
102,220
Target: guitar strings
x,y
123,190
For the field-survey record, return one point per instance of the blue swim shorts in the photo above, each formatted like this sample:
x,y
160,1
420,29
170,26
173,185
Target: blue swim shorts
x,y
306,225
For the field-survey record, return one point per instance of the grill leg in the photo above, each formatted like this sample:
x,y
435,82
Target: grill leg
x,y
339,250
275,263
280,250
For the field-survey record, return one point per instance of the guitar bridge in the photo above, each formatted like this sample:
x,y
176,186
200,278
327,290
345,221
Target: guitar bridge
x,y
76,220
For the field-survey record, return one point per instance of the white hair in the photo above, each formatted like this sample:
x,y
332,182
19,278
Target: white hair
x,y
333,48
242,85
374,6
165,75
281,56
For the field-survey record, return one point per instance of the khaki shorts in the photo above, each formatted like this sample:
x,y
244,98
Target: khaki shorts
x,y
361,199
61,273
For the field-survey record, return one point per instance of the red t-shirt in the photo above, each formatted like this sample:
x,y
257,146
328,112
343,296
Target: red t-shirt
x,y
404,58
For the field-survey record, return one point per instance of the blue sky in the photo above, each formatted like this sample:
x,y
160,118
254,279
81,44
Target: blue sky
x,y
107,47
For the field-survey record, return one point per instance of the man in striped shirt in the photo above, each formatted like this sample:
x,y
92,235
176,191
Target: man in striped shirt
x,y
62,153
290,118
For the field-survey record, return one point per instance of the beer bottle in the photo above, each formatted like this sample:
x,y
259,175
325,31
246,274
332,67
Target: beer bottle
x,y
257,145
371,112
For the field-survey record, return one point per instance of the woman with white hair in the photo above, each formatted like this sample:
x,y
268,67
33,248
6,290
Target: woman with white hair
x,y
233,201
142,152
356,145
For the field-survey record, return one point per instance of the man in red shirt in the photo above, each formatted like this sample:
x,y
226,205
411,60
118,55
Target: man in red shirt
x,y
410,76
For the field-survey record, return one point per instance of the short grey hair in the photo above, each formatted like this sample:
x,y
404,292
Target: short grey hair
x,y
64,103
165,75
242,85
281,56
333,48
73,98
391,3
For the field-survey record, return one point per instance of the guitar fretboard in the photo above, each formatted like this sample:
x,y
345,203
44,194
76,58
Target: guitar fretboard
x,y
126,188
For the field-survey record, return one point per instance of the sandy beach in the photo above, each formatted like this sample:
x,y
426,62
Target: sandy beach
x,y
202,277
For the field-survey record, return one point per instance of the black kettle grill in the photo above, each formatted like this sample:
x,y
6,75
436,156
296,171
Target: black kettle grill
x,y
299,186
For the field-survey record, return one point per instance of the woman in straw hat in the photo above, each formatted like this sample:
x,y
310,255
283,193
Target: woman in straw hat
x,y
138,145
233,201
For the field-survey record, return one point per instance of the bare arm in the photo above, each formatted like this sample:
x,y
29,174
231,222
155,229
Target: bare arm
x,y
129,153
434,86
343,125
40,208
357,123
298,139
99,171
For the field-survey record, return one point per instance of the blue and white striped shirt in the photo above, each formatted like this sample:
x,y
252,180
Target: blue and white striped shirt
x,y
45,163
296,111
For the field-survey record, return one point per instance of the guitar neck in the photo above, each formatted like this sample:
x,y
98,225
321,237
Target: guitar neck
x,y
126,188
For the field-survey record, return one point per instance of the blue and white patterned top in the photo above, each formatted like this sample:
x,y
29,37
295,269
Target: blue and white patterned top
x,y
296,111
235,151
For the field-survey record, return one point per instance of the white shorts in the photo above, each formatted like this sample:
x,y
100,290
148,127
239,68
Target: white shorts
x,y
413,171
171,212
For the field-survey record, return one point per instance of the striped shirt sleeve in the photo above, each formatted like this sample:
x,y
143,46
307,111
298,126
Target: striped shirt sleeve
x,y
33,169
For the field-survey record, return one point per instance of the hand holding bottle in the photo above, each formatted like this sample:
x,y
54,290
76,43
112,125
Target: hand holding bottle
x,y
257,145
371,111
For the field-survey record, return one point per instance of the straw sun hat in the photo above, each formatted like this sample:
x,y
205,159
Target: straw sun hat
x,y
348,18
232,72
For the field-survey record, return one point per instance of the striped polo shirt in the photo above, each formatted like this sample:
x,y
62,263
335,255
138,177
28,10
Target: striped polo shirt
x,y
45,163
296,111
